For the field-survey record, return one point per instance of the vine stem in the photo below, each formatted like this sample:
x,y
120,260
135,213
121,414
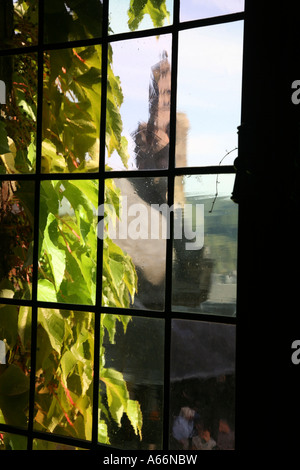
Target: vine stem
x,y
217,181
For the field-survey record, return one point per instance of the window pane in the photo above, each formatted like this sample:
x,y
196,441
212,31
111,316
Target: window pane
x,y
15,344
205,251
10,441
64,373
18,75
16,234
139,102
137,279
69,20
131,377
18,23
209,94
127,15
202,399
71,117
68,241
198,9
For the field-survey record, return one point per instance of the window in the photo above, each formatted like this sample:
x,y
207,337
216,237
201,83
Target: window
x,y
118,133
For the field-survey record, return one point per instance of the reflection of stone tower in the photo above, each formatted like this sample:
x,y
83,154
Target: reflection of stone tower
x,y
182,128
152,138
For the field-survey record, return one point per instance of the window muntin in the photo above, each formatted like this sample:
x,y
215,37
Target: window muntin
x,y
171,175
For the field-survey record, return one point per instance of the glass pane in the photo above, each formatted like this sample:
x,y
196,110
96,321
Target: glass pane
x,y
16,234
18,23
10,441
198,9
18,82
40,444
64,373
131,377
209,94
134,253
15,344
202,397
71,105
138,104
205,250
68,241
69,20
125,15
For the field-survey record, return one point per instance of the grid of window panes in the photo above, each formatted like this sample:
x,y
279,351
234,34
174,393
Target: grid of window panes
x,y
118,132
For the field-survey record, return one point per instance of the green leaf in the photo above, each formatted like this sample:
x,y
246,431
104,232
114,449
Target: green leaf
x,y
135,416
13,381
46,291
55,255
89,188
68,362
24,325
102,432
54,324
4,147
117,393
78,199
9,324
90,78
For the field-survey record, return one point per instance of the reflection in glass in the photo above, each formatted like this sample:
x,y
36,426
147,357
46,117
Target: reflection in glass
x,y
18,75
205,257
136,224
198,9
131,374
68,241
9,441
15,344
143,101
16,234
64,373
202,397
66,20
208,94
71,110
127,16
18,24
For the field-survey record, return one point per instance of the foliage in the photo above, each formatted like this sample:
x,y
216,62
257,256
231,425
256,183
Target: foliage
x,y
67,225
156,9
